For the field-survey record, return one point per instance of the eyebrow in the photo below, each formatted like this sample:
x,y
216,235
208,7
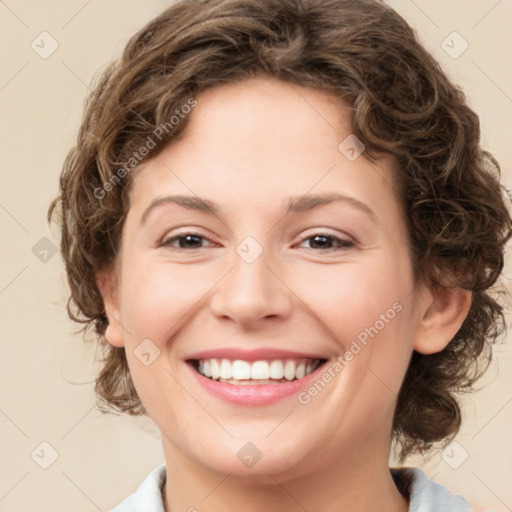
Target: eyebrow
x,y
295,204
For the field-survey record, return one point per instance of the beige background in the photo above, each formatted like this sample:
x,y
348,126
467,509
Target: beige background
x,y
47,372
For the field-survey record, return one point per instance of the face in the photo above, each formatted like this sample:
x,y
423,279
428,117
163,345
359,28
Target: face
x,y
256,248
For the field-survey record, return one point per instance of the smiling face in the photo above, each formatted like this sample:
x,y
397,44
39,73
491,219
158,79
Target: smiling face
x,y
254,238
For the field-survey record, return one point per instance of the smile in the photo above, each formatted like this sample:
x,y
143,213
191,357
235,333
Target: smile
x,y
264,372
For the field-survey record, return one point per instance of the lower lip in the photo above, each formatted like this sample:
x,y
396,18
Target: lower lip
x,y
259,394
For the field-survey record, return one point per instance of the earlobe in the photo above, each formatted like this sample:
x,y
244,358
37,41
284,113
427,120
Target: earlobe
x,y
107,284
443,312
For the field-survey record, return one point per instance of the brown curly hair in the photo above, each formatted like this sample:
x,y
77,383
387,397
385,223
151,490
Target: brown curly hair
x,y
401,103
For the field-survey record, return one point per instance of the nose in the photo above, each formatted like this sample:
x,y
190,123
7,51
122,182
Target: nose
x,y
252,294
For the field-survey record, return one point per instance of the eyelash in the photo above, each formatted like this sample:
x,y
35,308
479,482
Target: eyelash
x,y
342,244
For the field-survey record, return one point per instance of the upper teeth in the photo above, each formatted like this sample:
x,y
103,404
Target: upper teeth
x,y
258,370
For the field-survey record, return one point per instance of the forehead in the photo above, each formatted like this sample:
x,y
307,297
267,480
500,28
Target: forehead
x,y
253,141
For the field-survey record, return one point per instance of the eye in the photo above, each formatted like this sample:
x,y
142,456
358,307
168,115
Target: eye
x,y
318,241
185,241
324,241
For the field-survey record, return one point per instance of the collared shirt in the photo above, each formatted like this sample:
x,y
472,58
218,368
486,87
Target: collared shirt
x,y
424,495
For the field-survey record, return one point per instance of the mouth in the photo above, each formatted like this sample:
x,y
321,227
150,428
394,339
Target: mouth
x,y
264,372
256,377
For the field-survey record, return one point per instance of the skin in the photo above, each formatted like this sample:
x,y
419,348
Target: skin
x,y
249,147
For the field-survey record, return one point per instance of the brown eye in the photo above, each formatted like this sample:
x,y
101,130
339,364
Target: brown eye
x,y
185,241
324,241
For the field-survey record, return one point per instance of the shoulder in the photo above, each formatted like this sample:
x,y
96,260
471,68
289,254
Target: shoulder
x,y
426,495
148,496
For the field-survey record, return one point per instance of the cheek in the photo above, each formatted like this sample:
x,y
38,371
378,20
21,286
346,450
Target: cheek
x,y
159,298
367,309
356,301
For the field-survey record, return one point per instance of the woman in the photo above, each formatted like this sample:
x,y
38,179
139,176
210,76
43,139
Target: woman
x,y
280,221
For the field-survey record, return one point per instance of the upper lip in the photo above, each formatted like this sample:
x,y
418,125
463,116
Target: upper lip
x,y
258,354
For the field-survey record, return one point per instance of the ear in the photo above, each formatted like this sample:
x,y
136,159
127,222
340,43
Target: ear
x,y
442,312
108,285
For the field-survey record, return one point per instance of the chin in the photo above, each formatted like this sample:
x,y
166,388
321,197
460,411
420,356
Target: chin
x,y
258,457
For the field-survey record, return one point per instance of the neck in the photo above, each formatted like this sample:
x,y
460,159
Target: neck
x,y
359,482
